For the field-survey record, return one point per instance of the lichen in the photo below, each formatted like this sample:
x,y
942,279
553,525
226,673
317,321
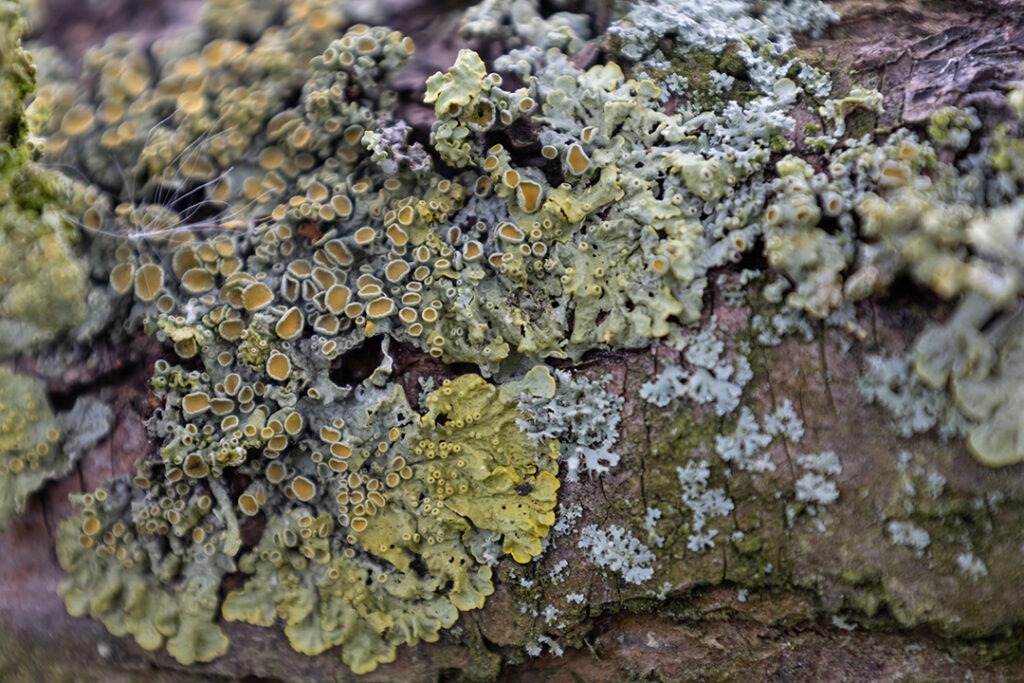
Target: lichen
x,y
712,380
578,412
619,170
380,526
619,551
30,450
42,283
41,280
520,24
813,486
249,195
916,407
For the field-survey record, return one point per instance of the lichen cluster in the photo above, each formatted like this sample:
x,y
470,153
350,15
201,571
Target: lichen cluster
x,y
581,414
41,281
952,227
604,222
879,209
249,195
30,451
375,529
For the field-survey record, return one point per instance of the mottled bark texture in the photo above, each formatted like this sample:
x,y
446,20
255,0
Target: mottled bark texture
x,y
825,597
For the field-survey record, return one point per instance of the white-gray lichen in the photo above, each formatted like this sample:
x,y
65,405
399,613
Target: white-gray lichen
x,y
583,416
617,550
711,379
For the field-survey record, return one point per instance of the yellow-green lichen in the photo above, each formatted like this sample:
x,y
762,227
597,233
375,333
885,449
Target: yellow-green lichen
x,y
30,451
41,281
161,589
267,214
381,524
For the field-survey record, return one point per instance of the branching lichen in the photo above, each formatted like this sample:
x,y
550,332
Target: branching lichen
x,y
582,415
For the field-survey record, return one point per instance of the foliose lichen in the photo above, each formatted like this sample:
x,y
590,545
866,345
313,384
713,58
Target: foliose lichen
x,y
619,551
379,527
30,451
41,280
580,414
712,380
249,195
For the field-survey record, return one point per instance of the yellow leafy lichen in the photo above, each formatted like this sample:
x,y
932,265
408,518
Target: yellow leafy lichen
x,y
400,572
486,469
382,524
122,575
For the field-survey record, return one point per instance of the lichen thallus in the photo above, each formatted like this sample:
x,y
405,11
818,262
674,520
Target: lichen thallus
x,y
151,208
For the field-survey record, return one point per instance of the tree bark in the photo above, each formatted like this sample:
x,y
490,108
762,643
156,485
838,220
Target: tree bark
x,y
836,599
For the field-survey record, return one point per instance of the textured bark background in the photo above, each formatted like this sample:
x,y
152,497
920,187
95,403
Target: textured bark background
x,y
723,618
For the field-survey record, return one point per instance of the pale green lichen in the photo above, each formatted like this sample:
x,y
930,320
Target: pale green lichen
x,y
952,127
956,248
759,37
41,281
916,407
797,247
521,24
450,245
160,589
618,551
581,414
710,380
380,525
85,425
30,451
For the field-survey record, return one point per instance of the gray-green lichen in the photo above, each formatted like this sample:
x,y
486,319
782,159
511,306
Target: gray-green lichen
x,y
30,450
249,195
41,281
380,525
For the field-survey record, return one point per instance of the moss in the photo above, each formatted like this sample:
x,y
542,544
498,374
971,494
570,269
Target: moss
x,y
730,61
18,79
